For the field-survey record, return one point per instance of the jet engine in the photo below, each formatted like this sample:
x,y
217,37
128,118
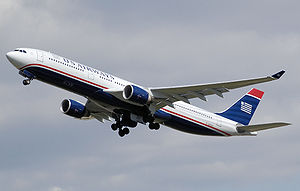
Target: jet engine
x,y
73,109
136,94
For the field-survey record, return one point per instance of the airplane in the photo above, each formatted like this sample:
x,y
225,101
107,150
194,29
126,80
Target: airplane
x,y
127,104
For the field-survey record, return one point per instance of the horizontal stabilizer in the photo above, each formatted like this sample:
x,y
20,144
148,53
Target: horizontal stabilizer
x,y
259,127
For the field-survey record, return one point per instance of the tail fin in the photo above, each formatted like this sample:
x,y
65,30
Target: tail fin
x,y
243,110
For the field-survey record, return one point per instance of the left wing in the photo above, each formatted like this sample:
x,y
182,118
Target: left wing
x,y
167,95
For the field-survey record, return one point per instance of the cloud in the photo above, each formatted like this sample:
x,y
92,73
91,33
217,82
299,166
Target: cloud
x,y
56,189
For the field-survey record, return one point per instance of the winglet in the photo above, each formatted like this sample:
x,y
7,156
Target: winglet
x,y
278,75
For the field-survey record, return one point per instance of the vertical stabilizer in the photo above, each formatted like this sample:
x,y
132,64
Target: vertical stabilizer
x,y
242,111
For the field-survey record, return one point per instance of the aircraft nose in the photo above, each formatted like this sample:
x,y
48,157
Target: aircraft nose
x,y
10,56
15,59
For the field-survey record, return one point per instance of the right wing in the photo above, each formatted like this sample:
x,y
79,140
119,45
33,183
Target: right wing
x,y
259,127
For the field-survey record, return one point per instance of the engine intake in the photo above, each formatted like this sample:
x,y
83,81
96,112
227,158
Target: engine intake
x,y
73,108
136,94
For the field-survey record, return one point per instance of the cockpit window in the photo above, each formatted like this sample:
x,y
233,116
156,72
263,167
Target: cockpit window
x,y
18,50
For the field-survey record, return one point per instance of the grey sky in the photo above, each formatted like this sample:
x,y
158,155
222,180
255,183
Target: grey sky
x,y
153,43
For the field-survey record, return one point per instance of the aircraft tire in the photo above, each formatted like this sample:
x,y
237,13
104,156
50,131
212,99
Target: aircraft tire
x,y
26,82
126,131
154,126
157,126
151,126
114,127
121,133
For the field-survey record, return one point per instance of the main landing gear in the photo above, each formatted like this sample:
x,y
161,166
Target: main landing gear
x,y
125,130
123,121
152,125
122,131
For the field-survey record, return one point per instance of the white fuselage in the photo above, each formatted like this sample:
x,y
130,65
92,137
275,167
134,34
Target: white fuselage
x,y
181,117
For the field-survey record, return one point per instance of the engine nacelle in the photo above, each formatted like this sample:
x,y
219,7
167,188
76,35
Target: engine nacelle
x,y
136,94
73,108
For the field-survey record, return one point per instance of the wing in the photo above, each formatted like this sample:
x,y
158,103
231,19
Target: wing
x,y
167,95
97,111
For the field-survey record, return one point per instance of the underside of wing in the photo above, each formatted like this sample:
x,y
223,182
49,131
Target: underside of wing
x,y
167,95
97,111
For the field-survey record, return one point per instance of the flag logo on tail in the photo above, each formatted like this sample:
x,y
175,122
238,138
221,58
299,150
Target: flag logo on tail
x,y
246,107
242,111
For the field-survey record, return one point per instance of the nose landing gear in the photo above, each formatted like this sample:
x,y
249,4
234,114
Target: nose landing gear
x,y
28,75
26,82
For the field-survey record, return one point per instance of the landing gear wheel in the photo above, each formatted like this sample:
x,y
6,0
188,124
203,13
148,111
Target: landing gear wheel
x,y
26,82
151,126
157,126
126,131
114,127
121,133
154,126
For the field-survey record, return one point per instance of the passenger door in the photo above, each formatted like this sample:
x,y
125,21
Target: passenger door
x,y
91,75
40,55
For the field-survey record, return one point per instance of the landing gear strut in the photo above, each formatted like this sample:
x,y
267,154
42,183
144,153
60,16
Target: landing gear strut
x,y
149,118
28,75
124,120
123,124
